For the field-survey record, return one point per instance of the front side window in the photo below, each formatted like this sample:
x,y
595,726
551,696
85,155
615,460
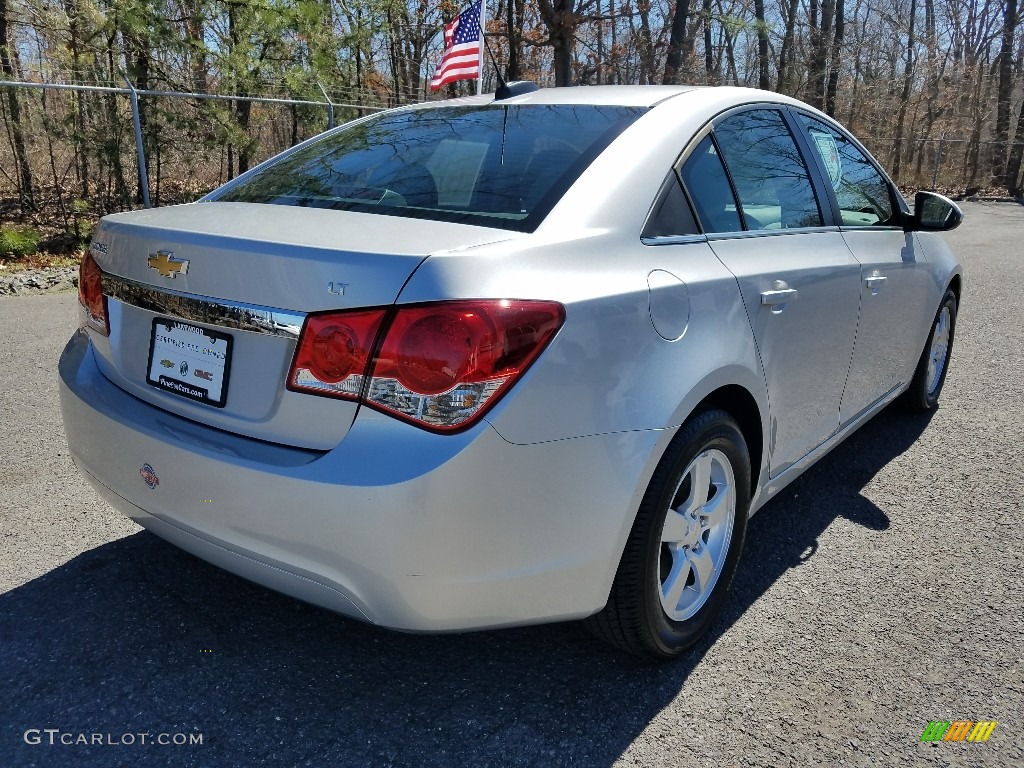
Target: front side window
x,y
771,179
862,192
495,165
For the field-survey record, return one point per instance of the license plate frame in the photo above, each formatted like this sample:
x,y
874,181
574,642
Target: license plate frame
x,y
199,359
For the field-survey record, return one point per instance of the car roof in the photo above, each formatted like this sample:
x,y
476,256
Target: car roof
x,y
621,95
609,95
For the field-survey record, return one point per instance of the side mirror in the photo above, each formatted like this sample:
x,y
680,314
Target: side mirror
x,y
934,213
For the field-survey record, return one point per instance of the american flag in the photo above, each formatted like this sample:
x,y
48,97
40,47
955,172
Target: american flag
x,y
461,59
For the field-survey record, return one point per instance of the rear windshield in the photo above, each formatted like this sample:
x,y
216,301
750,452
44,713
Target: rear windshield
x,y
496,165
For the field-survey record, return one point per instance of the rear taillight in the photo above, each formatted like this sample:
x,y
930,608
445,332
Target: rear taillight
x,y
334,353
90,295
439,366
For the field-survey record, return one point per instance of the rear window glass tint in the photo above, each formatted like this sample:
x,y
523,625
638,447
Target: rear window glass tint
x,y
709,188
671,214
496,165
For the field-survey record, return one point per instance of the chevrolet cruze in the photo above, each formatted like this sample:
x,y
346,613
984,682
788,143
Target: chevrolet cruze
x,y
508,360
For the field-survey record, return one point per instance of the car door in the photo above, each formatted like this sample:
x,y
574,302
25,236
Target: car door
x,y
895,284
800,284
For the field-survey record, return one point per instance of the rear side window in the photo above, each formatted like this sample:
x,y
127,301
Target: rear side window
x,y
671,214
495,165
772,182
708,185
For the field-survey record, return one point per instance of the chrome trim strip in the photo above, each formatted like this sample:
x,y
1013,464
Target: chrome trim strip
x,y
673,239
748,233
738,234
871,228
200,309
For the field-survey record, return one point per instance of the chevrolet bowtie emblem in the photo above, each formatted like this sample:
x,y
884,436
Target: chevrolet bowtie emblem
x,y
168,266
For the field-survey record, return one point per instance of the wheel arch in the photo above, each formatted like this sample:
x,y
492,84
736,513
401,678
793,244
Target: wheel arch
x,y
723,390
741,405
740,390
730,399
954,285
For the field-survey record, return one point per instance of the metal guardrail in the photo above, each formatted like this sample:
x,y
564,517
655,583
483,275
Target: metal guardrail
x,y
942,145
133,94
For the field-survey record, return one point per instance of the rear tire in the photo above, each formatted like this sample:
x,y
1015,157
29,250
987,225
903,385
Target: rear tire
x,y
926,386
682,553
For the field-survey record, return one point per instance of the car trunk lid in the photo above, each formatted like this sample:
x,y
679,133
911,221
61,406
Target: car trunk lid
x,y
198,286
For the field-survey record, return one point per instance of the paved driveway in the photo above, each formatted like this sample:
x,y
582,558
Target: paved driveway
x,y
879,592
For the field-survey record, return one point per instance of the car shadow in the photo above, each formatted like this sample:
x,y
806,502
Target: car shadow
x,y
138,637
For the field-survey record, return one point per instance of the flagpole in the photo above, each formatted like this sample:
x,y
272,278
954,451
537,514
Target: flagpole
x,y
483,60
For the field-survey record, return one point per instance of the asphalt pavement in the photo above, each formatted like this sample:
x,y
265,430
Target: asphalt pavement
x,y
881,591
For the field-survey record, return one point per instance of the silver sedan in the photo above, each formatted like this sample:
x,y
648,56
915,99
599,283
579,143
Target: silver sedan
x,y
508,359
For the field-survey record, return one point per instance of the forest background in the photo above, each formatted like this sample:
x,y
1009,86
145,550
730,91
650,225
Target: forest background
x,y
935,88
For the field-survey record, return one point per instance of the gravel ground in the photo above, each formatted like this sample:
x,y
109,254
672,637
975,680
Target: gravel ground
x,y
880,591
35,281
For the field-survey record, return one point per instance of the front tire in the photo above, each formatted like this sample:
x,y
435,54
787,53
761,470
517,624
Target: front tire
x,y
683,550
926,386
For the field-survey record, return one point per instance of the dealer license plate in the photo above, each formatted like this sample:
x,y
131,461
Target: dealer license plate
x,y
190,361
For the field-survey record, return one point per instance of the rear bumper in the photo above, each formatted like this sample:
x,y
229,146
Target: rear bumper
x,y
395,526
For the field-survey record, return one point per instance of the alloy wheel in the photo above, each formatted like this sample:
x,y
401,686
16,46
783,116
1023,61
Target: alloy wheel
x,y
696,534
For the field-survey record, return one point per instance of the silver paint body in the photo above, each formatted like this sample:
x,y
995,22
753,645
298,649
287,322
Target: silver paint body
x,y
523,517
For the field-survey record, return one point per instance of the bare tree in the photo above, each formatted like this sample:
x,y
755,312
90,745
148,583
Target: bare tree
x,y
677,42
8,57
1004,92
908,77
786,53
832,89
821,43
762,46
560,18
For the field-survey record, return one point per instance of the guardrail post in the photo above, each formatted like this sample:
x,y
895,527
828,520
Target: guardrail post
x,y
330,106
938,159
140,149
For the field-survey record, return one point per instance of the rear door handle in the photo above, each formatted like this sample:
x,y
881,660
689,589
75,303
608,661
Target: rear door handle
x,y
875,281
780,296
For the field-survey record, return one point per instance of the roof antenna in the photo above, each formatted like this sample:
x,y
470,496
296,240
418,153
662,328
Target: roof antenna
x,y
508,90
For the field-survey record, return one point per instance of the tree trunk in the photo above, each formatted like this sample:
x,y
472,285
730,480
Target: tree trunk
x,y
560,20
731,71
820,45
614,57
8,57
762,46
1013,164
646,44
837,47
117,186
81,151
709,62
980,100
786,54
512,27
908,78
194,30
1004,92
243,113
677,51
